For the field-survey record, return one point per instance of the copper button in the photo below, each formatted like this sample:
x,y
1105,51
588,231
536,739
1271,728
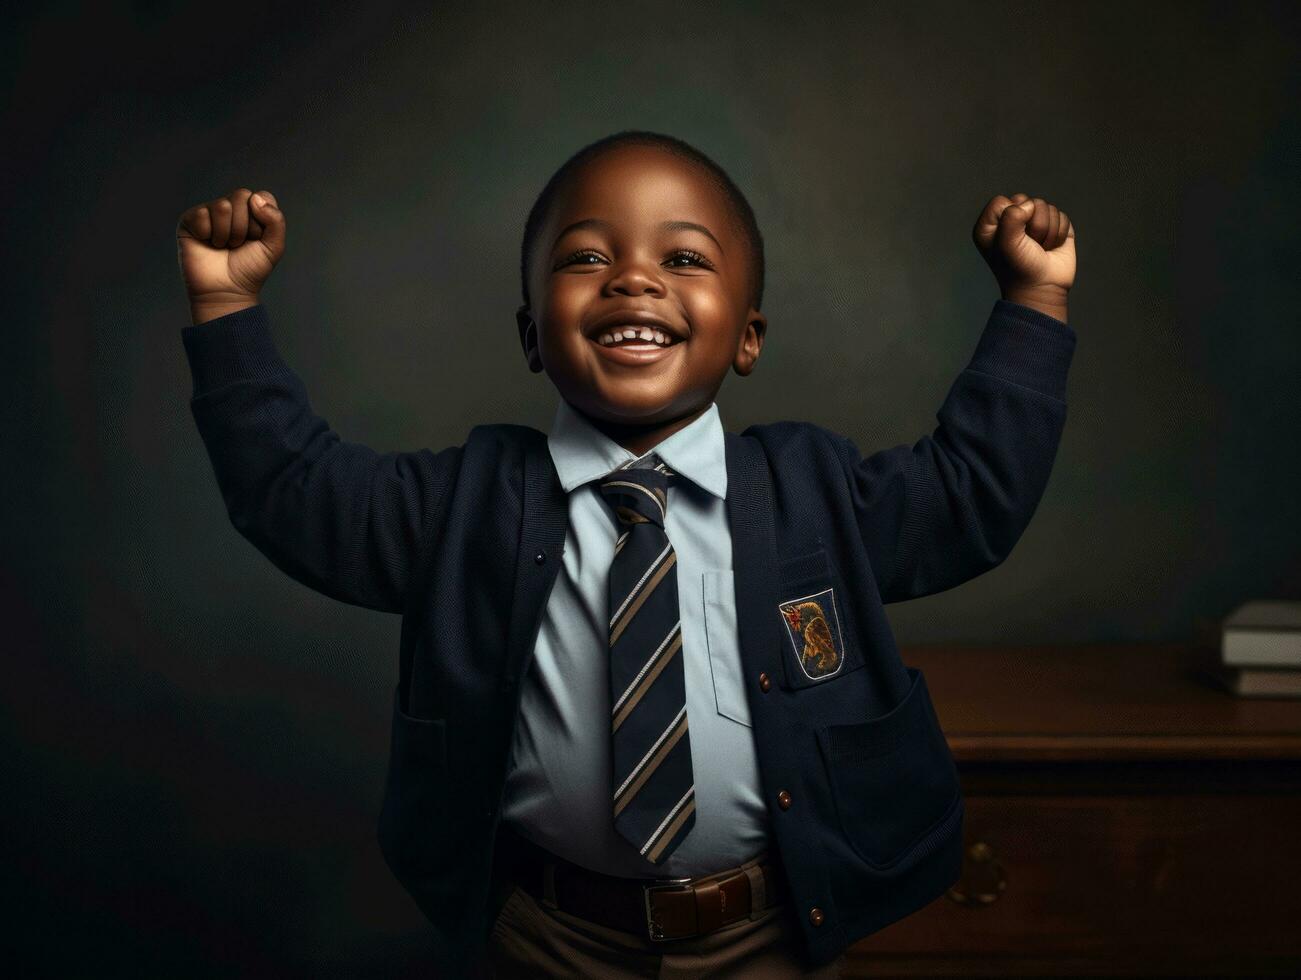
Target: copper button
x,y
784,800
764,683
816,916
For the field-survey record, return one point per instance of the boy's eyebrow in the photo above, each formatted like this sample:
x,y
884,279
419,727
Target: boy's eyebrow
x,y
666,225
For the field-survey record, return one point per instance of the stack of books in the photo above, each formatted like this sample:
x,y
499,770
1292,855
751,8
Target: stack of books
x,y
1259,650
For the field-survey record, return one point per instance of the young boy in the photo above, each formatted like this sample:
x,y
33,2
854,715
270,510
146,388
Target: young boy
x,y
650,717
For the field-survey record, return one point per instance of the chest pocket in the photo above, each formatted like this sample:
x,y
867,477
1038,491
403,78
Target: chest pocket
x,y
817,643
724,652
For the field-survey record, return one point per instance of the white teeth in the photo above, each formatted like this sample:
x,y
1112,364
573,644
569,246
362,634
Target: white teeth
x,y
611,337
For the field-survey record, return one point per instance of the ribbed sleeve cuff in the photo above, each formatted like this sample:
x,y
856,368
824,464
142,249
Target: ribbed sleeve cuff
x,y
234,347
1023,345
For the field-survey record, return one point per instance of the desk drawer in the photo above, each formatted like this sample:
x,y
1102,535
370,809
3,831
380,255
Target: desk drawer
x,y
1143,880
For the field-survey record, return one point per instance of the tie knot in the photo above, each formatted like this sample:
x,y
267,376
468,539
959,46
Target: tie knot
x,y
638,495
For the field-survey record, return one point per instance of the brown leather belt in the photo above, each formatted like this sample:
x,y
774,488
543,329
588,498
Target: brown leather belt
x,y
659,908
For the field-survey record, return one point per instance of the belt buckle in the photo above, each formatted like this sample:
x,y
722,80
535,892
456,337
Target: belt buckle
x,y
653,928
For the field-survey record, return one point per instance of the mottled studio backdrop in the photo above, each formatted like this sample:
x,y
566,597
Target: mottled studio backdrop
x,y
198,742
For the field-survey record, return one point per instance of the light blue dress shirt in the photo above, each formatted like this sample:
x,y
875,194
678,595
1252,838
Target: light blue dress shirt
x,y
558,786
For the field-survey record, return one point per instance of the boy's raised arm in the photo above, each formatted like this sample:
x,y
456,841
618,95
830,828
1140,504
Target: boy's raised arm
x,y
953,504
337,516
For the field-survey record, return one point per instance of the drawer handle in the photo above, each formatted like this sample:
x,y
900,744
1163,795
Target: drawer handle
x,y
983,878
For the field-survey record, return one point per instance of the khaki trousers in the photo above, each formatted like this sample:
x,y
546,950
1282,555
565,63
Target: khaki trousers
x,y
532,940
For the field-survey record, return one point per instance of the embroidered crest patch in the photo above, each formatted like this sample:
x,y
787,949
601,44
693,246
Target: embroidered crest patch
x,y
814,631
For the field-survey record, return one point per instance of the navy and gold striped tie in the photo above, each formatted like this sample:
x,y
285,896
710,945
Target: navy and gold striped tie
x,y
654,789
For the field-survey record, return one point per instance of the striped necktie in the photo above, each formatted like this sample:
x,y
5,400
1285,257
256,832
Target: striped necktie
x,y
654,789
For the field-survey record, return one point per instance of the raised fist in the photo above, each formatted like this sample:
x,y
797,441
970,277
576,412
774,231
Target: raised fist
x,y
228,246
1028,243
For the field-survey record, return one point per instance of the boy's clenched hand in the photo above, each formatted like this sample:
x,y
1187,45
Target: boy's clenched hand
x,y
1030,247
227,248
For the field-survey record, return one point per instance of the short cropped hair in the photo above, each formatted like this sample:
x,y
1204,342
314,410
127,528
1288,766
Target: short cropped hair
x,y
742,213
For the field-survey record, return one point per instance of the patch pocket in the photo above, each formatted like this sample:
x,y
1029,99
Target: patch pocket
x,y
817,645
893,778
719,589
414,818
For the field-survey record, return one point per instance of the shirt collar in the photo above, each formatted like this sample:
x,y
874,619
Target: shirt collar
x,y
583,453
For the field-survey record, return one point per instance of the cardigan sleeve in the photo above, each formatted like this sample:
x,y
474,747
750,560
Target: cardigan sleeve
x,y
952,505
337,516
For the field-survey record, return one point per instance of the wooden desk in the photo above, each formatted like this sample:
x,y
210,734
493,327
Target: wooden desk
x,y
1124,816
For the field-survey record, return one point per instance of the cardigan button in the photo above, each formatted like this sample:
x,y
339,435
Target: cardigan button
x,y
816,916
764,683
784,800
540,557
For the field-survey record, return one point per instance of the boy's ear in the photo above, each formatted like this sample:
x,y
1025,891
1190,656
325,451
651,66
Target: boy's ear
x,y
528,338
747,352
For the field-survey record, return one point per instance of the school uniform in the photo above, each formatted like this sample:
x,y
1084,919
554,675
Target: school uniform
x,y
819,747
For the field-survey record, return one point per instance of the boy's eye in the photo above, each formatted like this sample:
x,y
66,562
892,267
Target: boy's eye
x,y
568,260
682,253
692,256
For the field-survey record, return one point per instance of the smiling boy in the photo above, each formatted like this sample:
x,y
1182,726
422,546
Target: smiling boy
x,y
644,239
650,716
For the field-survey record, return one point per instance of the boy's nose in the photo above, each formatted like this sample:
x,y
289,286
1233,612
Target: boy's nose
x,y
633,280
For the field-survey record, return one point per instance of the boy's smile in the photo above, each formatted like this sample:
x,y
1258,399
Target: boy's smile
x,y
640,240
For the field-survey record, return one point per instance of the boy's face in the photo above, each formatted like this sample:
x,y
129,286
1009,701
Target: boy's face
x,y
632,262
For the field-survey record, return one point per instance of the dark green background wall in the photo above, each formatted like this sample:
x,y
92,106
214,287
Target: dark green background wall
x,y
198,742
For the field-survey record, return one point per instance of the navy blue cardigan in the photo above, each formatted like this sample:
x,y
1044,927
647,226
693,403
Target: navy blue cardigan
x,y
466,542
